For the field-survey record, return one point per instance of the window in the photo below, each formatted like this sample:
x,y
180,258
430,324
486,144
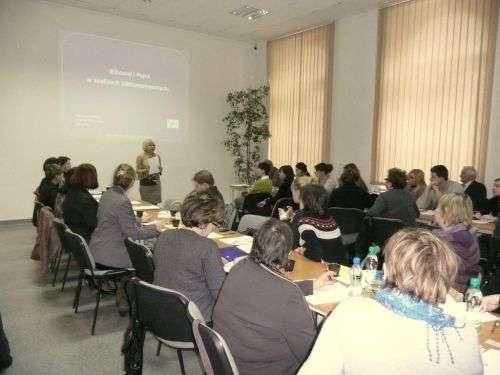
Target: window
x,y
435,75
300,96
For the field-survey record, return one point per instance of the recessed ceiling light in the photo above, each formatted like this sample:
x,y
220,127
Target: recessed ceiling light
x,y
250,13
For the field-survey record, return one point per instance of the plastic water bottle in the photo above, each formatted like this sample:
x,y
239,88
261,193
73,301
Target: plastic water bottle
x,y
356,288
473,298
370,265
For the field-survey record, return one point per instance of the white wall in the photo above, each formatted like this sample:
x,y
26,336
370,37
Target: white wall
x,y
354,76
29,113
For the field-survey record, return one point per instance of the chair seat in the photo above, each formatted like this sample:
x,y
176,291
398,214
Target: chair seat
x,y
110,273
176,344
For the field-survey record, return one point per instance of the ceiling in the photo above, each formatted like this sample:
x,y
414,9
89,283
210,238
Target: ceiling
x,y
213,17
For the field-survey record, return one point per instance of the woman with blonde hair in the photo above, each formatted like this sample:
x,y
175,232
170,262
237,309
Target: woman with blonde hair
x,y
454,215
405,328
416,183
149,170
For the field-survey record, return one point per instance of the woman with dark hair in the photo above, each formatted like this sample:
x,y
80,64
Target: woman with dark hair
x,y
315,232
396,202
323,174
49,187
79,206
358,180
286,177
302,178
186,260
261,314
349,194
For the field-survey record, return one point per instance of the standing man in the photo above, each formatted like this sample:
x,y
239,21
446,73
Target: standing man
x,y
439,185
475,190
149,170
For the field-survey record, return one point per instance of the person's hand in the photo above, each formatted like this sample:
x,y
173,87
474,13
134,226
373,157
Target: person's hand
x,y
326,278
261,203
300,250
435,187
289,211
159,226
490,303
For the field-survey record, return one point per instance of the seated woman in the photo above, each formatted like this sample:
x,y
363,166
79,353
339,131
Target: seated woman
x,y
324,176
261,314
302,178
286,177
79,206
396,202
186,260
115,223
49,187
349,194
203,181
454,215
316,234
406,315
351,167
416,183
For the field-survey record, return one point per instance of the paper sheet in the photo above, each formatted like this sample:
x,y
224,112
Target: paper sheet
x,y
328,294
491,362
135,202
459,311
146,207
214,236
243,242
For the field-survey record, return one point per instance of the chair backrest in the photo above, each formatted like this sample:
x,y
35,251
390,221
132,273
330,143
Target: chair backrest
x,y
142,260
281,203
376,230
229,215
250,204
80,250
164,312
60,229
349,220
37,207
214,351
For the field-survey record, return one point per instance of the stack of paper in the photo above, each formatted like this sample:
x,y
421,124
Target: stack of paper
x,y
243,242
491,361
328,294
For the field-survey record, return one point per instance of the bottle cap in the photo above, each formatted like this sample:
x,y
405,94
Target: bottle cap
x,y
373,249
475,282
356,261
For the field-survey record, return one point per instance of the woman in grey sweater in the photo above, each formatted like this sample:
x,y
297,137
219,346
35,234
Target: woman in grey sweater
x,y
186,260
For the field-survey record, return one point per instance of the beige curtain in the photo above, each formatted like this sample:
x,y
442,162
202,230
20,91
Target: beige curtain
x,y
435,75
299,75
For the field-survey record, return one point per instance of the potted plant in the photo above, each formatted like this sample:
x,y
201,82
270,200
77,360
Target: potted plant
x,y
247,125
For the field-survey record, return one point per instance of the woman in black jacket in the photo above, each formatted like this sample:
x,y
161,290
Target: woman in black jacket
x,y
80,207
49,186
349,194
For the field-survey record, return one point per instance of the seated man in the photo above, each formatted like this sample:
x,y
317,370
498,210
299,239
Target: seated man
x,y
475,190
439,185
203,182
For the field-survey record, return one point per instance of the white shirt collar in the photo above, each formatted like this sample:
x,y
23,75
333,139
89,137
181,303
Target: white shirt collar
x,y
467,184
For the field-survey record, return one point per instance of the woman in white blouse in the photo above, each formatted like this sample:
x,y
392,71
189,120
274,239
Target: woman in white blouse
x,y
404,329
149,170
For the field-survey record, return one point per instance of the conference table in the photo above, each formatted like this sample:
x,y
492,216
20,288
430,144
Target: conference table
x,y
489,332
483,226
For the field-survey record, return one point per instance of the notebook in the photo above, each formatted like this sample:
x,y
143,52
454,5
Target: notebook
x,y
228,254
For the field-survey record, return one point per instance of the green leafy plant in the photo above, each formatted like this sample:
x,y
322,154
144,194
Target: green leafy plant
x,y
247,125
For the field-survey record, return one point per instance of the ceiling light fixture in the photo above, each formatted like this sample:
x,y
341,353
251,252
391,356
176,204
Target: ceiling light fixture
x,y
250,13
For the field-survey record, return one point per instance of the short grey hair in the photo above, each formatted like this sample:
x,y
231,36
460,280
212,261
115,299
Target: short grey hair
x,y
147,142
470,171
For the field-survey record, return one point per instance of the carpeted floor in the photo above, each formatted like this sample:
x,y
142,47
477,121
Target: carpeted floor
x,y
47,337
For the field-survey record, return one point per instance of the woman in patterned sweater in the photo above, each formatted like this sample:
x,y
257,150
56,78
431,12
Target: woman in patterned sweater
x,y
316,234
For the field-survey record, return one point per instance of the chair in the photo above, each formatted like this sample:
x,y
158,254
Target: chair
x,y
142,260
229,216
350,222
250,204
37,207
376,230
249,224
214,351
88,271
166,314
60,229
282,203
